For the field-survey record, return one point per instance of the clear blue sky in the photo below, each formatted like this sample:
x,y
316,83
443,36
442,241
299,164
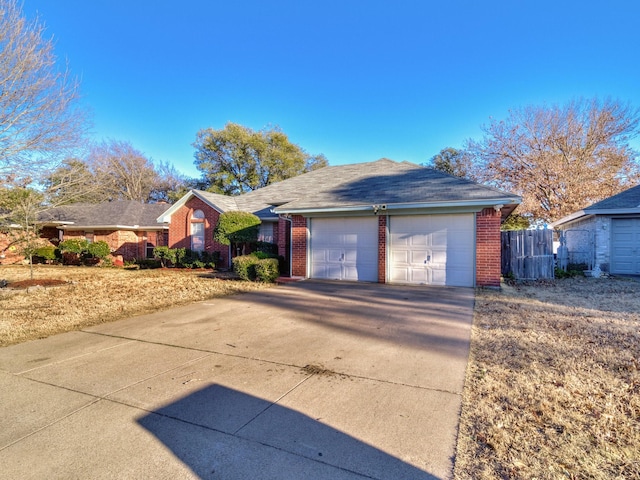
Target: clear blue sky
x,y
355,80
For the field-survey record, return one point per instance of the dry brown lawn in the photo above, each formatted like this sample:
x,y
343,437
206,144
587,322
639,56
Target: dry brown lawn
x,y
553,387
96,295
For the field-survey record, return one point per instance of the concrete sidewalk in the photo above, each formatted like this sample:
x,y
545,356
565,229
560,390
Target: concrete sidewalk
x,y
314,380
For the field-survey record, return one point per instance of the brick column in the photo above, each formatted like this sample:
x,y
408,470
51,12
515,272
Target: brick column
x,y
281,237
382,249
488,248
299,246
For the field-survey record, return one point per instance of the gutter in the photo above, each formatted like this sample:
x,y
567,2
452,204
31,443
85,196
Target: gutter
x,y
113,227
479,204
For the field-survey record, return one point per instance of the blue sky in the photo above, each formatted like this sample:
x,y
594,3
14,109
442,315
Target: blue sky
x,y
355,80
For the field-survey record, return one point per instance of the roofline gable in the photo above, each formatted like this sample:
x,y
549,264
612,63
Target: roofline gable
x,y
166,216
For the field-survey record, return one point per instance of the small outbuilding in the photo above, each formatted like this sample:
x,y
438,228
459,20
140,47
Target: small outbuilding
x,y
606,234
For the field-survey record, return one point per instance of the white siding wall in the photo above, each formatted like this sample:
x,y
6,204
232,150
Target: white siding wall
x,y
603,242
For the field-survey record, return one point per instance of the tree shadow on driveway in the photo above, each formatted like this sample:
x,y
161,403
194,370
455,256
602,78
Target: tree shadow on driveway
x,y
222,433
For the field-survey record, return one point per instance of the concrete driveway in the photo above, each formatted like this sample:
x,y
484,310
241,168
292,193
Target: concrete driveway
x,y
316,380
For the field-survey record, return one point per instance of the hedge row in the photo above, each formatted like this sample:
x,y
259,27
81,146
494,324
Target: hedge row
x,y
73,251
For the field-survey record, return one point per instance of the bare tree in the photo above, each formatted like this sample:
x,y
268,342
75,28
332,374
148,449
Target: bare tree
x,y
38,113
124,172
561,158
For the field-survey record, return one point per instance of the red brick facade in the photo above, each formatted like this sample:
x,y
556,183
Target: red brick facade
x,y
299,246
180,228
382,249
130,244
488,248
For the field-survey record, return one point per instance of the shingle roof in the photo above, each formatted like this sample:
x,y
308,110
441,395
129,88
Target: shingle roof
x,y
124,213
380,182
222,203
630,198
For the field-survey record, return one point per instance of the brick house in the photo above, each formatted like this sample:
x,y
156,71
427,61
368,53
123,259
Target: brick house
x,y
606,235
383,221
130,228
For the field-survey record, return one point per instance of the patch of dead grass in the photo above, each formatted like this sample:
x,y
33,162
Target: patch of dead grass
x,y
96,295
553,383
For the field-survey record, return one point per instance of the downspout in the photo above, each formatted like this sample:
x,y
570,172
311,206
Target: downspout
x,y
290,245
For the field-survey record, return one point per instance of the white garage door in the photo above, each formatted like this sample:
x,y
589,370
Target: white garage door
x,y
344,248
432,249
625,245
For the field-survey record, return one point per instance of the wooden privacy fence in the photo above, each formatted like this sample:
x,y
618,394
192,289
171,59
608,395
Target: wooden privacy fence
x,y
528,254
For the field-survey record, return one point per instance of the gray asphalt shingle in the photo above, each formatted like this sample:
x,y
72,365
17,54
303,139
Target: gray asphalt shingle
x,y
125,213
630,198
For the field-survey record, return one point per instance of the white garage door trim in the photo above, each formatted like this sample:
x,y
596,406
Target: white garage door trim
x,y
344,248
432,249
625,246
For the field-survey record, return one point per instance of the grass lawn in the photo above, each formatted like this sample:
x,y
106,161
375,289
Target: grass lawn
x,y
553,387
96,295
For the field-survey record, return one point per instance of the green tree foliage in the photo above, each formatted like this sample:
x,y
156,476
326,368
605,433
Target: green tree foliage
x,y
452,161
236,159
236,227
515,222
560,159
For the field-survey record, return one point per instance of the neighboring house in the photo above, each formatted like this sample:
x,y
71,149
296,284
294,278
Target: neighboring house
x,y
380,221
130,228
607,233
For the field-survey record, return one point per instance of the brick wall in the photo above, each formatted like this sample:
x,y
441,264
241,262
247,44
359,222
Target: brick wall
x,y
180,229
299,244
488,248
382,249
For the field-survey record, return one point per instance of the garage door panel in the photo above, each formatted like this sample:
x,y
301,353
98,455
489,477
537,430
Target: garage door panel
x,y
432,249
344,248
625,245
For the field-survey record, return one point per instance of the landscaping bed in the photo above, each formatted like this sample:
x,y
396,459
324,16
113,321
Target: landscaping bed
x,y
553,382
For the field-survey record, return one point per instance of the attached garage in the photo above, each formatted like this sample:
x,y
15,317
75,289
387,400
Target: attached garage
x,y
344,248
625,246
432,249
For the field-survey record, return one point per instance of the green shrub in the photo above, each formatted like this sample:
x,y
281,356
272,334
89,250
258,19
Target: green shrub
x,y
74,245
267,270
236,227
244,266
148,263
252,267
99,249
266,247
47,252
180,254
210,260
165,255
263,255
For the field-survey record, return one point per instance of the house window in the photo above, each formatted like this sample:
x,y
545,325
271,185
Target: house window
x,y
266,232
150,244
88,236
197,231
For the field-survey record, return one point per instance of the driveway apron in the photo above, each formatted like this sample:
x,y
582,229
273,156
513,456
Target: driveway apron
x,y
317,380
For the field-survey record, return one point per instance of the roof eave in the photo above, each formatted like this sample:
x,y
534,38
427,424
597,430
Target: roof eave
x,y
613,211
587,212
473,205
113,227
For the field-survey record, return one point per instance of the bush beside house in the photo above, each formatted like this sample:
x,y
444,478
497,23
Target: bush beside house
x,y
257,267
